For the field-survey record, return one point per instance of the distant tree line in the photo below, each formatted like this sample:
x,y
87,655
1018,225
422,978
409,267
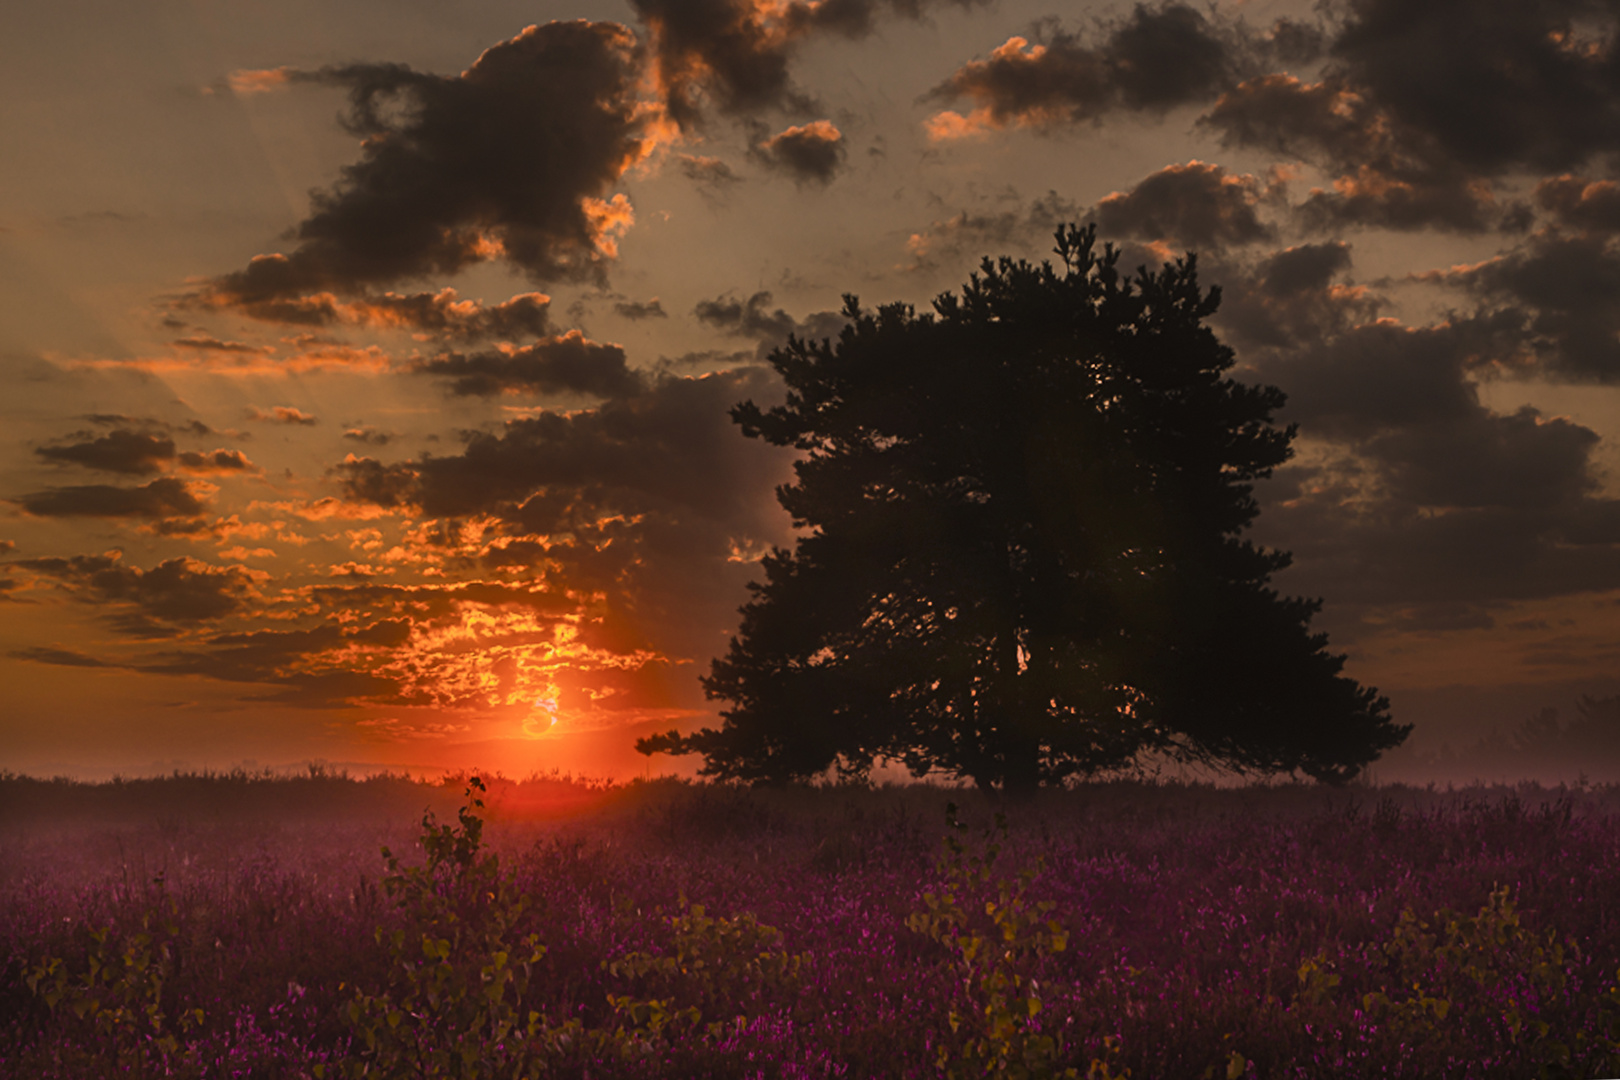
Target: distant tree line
x,y
1545,743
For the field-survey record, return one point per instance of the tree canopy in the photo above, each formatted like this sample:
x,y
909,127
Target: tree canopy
x,y
1023,558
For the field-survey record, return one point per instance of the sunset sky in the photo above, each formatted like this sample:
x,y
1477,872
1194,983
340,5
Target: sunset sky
x,y
365,366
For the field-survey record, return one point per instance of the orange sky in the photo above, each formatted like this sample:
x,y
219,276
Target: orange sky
x,y
366,366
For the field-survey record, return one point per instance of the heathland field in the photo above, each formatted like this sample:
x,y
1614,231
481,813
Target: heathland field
x,y
244,926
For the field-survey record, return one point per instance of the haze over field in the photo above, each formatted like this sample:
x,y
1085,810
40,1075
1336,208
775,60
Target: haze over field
x,y
365,367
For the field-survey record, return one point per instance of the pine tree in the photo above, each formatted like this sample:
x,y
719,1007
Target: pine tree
x,y
1024,558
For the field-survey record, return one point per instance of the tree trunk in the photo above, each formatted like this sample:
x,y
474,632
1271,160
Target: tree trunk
x,y
1019,749
1021,773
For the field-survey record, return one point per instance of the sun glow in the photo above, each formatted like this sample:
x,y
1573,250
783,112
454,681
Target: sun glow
x,y
544,716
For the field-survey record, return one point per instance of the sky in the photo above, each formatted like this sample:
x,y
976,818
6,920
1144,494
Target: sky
x,y
365,367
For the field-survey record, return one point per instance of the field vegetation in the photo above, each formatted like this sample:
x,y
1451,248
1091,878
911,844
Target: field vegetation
x,y
320,926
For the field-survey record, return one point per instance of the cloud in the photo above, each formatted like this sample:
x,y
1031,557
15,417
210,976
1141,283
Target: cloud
x,y
444,314
367,480
734,54
1582,204
1158,58
1564,291
215,461
753,318
810,153
282,414
673,442
1483,460
568,364
1419,110
1196,205
1383,376
319,667
245,82
1418,506
1390,178
641,502
1308,267
1290,299
205,343
370,436
746,318
165,497
40,654
178,592
710,174
973,234
509,159
638,310
1496,85
190,427
120,451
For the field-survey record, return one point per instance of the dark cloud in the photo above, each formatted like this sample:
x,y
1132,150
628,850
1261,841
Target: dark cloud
x,y
206,343
508,159
1196,205
746,318
1496,85
710,174
1582,204
568,364
648,501
1381,376
315,667
1390,178
718,358
1419,507
1519,461
367,480
62,657
734,54
215,461
178,592
436,602
440,314
445,314
1159,57
369,436
282,414
675,442
971,235
1294,42
753,318
638,310
1290,299
1399,566
810,153
165,497
190,427
1307,267
1565,293
1420,107
120,451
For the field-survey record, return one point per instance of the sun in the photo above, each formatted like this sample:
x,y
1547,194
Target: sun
x,y
544,715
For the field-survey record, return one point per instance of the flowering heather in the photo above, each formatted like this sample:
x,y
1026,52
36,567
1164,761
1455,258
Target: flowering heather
x,y
247,927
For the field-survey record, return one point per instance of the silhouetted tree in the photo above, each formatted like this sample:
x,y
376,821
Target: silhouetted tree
x,y
1024,558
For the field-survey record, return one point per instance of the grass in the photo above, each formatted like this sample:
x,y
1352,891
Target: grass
x,y
247,926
